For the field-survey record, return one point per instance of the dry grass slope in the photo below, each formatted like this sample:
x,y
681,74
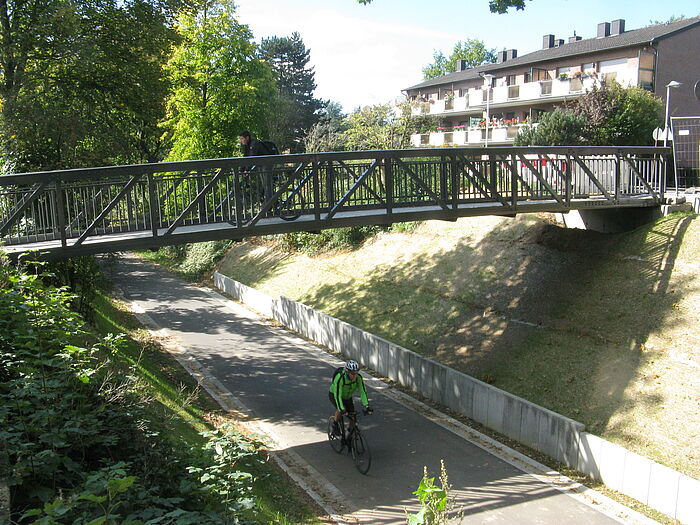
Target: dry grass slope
x,y
602,328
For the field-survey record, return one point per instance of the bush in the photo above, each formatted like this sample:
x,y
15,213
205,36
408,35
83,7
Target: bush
x,y
557,128
327,240
192,261
608,115
79,442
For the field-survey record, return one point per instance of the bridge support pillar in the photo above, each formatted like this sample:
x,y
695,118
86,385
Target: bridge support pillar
x,y
607,220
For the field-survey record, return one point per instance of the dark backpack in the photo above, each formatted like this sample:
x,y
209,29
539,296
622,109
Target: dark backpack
x,y
337,371
270,146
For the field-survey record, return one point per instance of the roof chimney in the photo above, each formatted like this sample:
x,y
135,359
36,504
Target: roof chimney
x,y
501,56
603,29
511,54
559,42
547,41
617,27
461,65
574,38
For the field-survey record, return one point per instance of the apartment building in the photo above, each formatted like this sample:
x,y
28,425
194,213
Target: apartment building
x,y
487,105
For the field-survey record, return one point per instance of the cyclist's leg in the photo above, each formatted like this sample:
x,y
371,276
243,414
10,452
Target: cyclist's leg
x,y
336,414
350,408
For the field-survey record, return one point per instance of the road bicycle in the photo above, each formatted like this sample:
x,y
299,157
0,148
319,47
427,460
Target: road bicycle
x,y
351,439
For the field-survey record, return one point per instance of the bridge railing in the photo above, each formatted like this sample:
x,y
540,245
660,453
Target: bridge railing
x,y
75,205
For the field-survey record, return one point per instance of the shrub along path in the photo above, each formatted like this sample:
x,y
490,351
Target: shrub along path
x,y
283,382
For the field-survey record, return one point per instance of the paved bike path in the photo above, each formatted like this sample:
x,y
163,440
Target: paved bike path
x,y
283,382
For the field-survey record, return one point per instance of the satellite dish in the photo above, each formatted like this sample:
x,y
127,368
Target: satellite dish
x,y
697,90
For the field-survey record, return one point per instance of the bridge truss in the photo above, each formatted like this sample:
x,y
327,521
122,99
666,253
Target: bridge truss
x,y
85,211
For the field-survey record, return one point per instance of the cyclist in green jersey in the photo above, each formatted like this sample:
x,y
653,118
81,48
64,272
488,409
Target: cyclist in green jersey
x,y
346,381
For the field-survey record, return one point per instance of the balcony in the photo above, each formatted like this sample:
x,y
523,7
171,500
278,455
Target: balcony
x,y
475,99
499,135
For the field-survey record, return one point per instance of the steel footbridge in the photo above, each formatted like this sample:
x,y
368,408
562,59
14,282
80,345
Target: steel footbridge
x,y
87,211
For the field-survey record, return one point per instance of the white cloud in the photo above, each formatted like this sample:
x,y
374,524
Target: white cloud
x,y
358,61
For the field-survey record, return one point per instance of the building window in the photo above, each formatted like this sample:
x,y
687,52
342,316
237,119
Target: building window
x,y
511,80
539,74
589,68
610,69
563,72
646,70
527,77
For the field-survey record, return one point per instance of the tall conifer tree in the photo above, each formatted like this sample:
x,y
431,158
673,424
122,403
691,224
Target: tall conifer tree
x,y
296,108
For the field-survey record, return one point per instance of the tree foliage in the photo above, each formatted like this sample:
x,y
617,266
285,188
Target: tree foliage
x,y
608,115
472,51
326,134
219,85
295,108
80,445
496,6
82,81
618,116
557,128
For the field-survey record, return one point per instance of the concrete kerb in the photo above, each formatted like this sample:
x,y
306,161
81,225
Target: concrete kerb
x,y
532,425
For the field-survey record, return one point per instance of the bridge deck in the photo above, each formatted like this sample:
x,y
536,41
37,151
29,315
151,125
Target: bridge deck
x,y
306,222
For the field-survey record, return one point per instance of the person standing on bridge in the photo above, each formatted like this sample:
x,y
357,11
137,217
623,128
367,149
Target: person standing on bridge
x,y
253,147
346,381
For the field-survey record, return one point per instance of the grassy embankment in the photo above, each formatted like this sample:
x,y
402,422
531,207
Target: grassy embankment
x,y
192,411
601,328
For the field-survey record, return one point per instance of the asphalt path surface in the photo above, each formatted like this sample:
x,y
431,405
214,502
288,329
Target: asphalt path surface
x,y
282,383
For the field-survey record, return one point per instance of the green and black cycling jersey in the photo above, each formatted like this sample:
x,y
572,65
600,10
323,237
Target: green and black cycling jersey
x,y
342,388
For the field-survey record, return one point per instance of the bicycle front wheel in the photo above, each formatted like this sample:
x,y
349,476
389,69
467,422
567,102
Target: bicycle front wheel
x,y
290,205
360,452
335,441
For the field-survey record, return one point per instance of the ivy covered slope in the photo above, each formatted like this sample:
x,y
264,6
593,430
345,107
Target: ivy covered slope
x,y
84,439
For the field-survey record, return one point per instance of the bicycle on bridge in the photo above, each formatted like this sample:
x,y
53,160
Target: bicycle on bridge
x,y
259,185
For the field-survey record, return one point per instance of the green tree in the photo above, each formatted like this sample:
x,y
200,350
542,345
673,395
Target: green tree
x,y
82,81
608,115
296,109
220,86
383,127
473,51
496,6
618,116
327,133
371,127
558,128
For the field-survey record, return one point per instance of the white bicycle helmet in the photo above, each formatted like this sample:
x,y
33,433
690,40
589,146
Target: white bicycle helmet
x,y
352,366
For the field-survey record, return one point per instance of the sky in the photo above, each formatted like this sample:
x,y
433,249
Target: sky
x,y
367,54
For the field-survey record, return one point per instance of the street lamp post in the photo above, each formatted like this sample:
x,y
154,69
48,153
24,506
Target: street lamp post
x,y
672,84
488,77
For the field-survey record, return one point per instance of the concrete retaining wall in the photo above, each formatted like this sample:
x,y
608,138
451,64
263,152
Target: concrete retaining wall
x,y
557,436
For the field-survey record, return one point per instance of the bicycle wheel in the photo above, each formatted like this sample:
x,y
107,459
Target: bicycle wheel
x,y
360,452
290,205
335,441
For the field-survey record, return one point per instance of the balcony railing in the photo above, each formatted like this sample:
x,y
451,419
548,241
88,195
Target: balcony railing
x,y
498,134
475,99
